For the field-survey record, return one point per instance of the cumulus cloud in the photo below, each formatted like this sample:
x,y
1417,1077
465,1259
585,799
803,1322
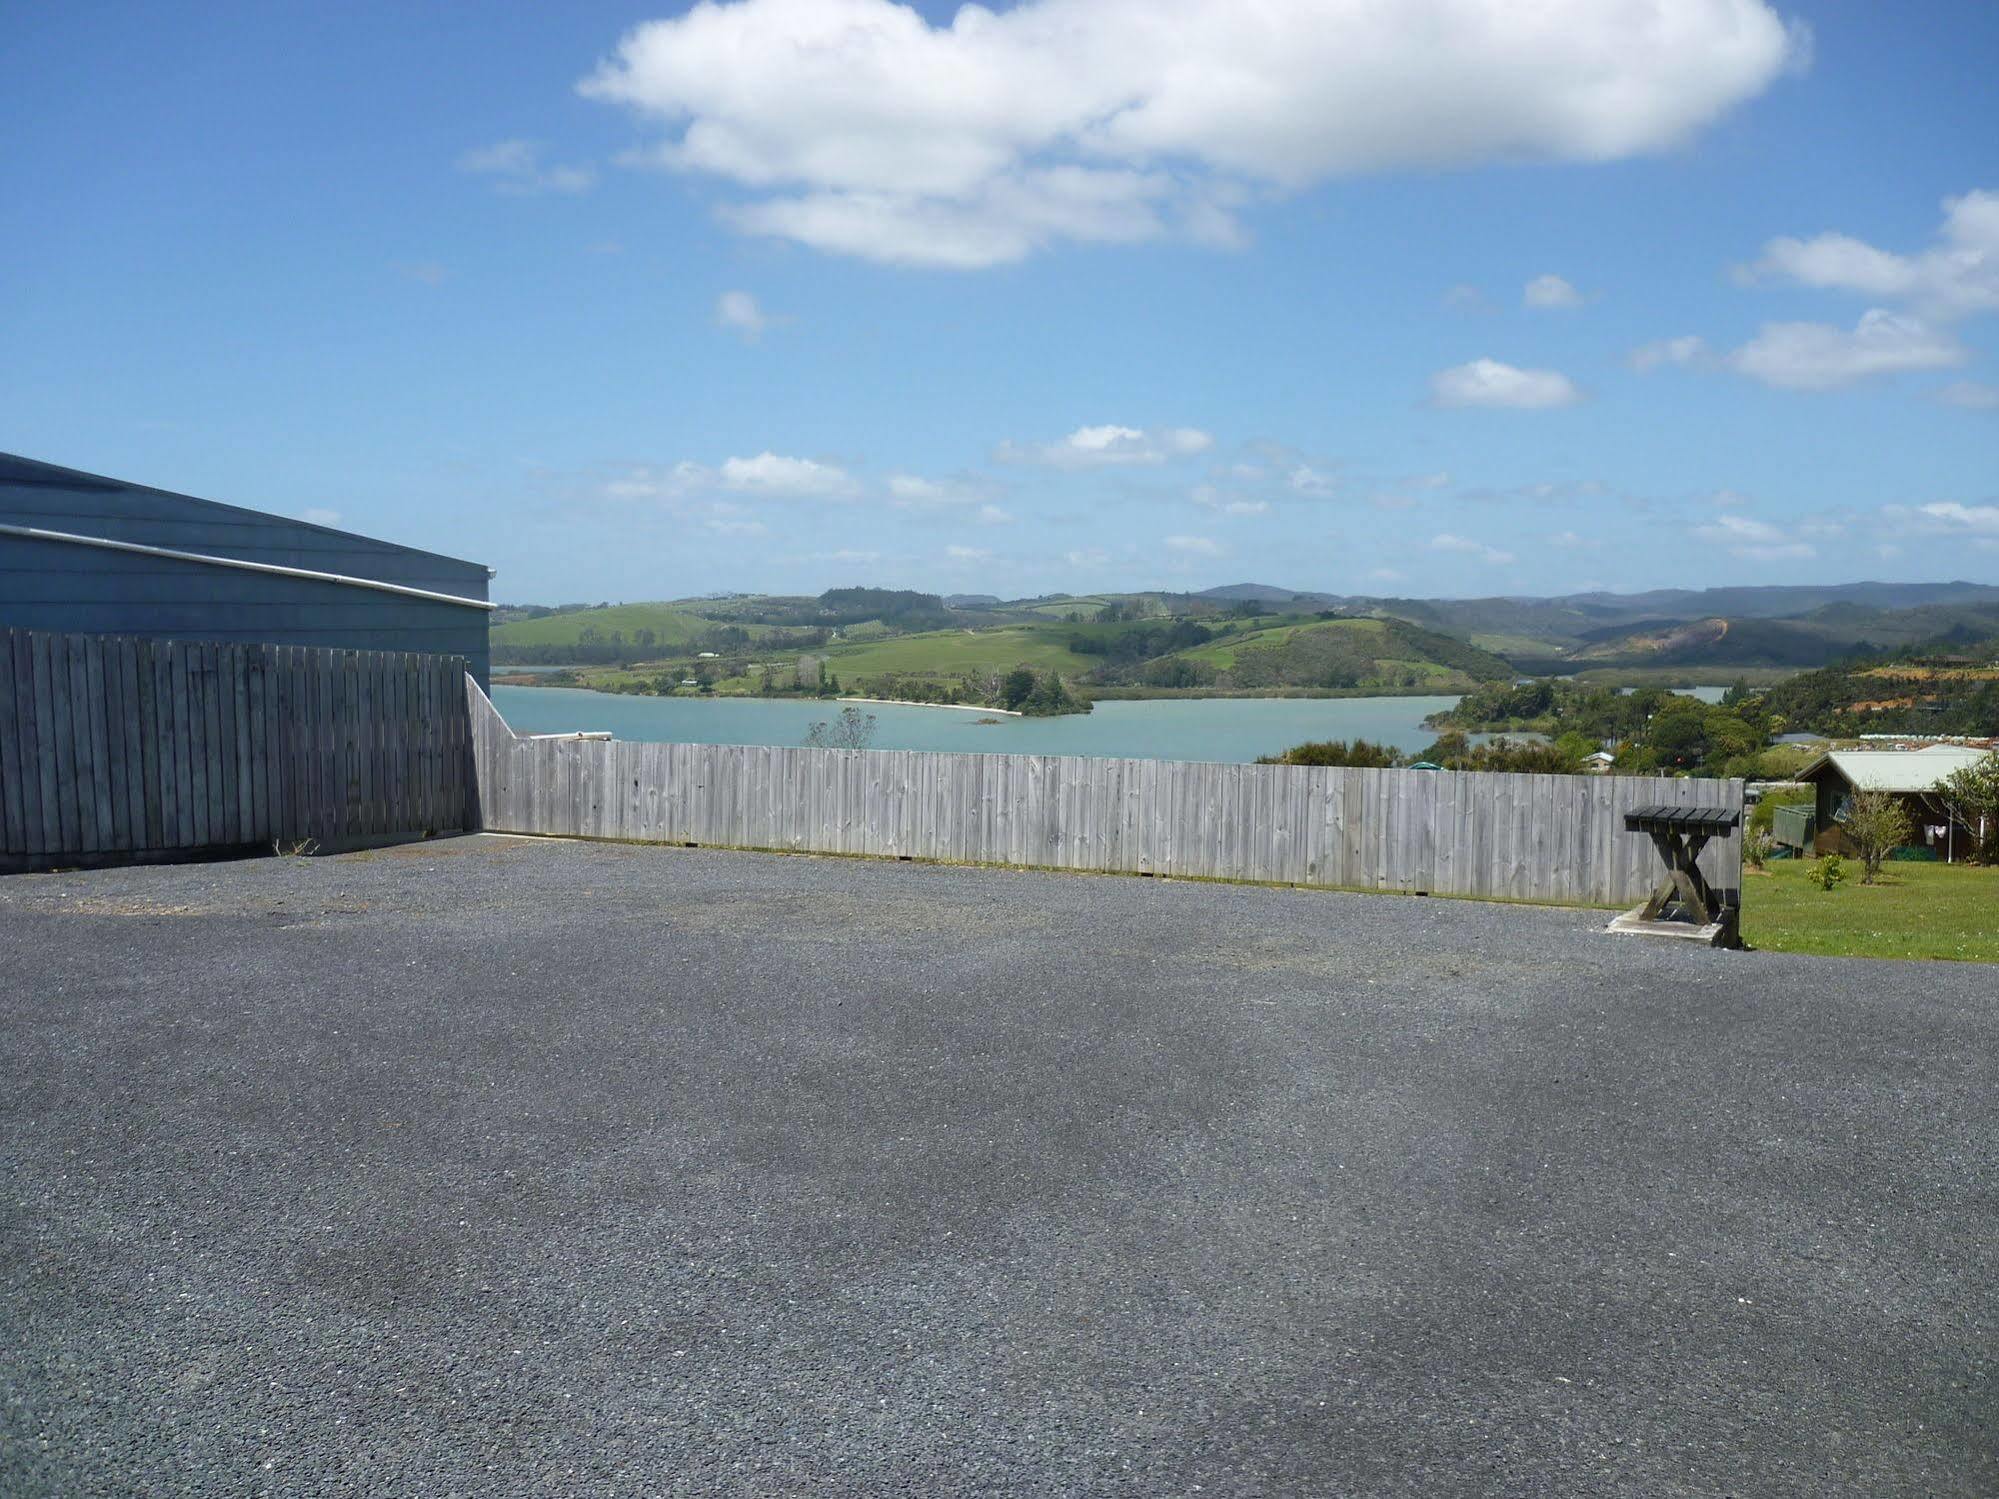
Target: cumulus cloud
x,y
1747,537
1487,382
1465,546
857,126
1110,446
740,312
767,475
517,167
1194,546
1316,483
1971,395
1819,356
1223,503
1949,515
785,478
1551,291
1688,350
1956,277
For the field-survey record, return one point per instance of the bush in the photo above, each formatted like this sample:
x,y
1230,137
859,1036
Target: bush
x,y
1826,871
1756,848
1361,752
1876,823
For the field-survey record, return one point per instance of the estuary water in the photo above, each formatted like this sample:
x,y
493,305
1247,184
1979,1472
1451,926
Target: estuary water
x,y
1211,729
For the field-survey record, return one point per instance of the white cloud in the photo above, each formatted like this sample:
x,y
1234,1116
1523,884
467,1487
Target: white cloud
x,y
1690,349
1465,546
1949,515
858,127
1759,541
517,167
967,554
1110,446
845,555
1959,276
992,515
1487,382
767,475
737,527
319,517
959,492
785,478
740,312
1551,291
1971,395
1306,480
1222,503
1818,356
1194,546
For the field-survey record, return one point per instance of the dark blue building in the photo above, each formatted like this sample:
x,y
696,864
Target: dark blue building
x,y
89,555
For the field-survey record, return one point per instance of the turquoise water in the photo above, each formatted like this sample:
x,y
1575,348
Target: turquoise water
x,y
1213,729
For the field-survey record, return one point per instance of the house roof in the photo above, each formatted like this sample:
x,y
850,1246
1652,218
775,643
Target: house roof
x,y
1895,770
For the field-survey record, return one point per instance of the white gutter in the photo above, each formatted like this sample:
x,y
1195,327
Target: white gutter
x,y
35,533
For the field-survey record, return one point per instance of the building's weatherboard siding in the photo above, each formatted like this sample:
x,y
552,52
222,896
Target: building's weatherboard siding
x,y
61,586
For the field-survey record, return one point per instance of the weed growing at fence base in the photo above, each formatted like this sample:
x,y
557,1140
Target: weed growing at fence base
x,y
1913,911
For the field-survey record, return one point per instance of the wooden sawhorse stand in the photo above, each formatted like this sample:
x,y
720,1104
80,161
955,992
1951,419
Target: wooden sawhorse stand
x,y
1680,833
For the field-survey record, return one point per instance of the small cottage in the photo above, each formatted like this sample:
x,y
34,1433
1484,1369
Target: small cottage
x,y
1910,776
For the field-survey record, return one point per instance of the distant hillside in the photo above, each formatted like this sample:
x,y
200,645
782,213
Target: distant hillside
x,y
1931,691
1813,639
1252,636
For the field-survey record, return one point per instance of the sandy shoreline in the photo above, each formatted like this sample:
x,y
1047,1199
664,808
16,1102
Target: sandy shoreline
x,y
903,702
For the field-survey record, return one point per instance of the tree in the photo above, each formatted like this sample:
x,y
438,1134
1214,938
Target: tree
x,y
1877,825
852,730
1017,687
1970,794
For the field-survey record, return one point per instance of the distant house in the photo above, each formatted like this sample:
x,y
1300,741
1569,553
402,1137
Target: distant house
x,y
1910,776
1598,762
86,555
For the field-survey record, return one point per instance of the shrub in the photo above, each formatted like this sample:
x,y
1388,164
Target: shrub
x,y
1756,848
1361,752
1826,871
1876,823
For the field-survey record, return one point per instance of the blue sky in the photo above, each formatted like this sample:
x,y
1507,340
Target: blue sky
x,y
1084,294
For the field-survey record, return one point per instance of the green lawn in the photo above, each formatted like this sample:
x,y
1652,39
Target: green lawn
x,y
1916,911
947,653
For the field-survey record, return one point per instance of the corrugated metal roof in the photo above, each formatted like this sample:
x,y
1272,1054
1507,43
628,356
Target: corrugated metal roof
x,y
1896,770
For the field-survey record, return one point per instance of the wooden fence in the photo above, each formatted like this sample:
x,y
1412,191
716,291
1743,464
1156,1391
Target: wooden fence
x,y
1546,838
115,749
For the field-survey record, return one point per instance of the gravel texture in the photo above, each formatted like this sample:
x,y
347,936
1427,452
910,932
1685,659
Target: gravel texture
x,y
498,1166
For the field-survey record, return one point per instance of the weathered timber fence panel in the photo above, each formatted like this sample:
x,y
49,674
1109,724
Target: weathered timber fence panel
x,y
114,749
1547,838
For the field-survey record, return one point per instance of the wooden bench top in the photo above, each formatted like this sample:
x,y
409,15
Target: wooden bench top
x,y
1681,819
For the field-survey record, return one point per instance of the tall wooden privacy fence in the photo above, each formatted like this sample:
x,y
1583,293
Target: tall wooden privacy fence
x,y
114,749
1556,839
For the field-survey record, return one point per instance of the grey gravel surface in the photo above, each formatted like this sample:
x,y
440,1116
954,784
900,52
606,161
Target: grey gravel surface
x,y
508,1167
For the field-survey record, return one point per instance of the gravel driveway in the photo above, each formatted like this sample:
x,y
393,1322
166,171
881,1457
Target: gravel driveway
x,y
497,1166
